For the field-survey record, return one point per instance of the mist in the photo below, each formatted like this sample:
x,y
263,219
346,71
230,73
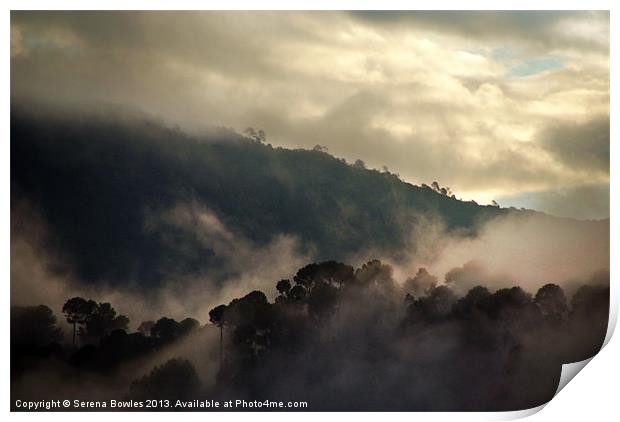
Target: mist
x,y
315,260
527,250
37,277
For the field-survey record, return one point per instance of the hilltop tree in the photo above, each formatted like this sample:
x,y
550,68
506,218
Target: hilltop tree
x,y
359,164
255,135
444,190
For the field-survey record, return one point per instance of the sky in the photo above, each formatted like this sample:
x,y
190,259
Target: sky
x,y
505,106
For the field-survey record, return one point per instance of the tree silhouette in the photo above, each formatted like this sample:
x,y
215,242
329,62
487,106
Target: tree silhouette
x,y
257,136
318,285
298,294
508,303
421,284
442,190
328,272
34,336
551,301
165,329
216,316
146,327
471,302
322,300
588,299
251,319
33,325
77,311
439,302
375,274
284,287
187,325
103,320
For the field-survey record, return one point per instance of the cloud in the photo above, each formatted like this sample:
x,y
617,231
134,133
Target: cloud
x,y
538,29
478,92
582,147
582,202
526,250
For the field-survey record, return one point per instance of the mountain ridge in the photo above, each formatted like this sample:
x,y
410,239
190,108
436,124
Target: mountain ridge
x,y
114,175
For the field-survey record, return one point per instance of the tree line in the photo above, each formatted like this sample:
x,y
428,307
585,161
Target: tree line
x,y
344,338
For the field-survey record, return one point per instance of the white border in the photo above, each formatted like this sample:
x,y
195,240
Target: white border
x,y
593,395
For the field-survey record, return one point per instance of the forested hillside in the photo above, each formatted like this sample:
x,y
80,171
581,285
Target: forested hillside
x,y
97,180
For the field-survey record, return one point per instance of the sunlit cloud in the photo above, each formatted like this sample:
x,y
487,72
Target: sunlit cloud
x,y
471,99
